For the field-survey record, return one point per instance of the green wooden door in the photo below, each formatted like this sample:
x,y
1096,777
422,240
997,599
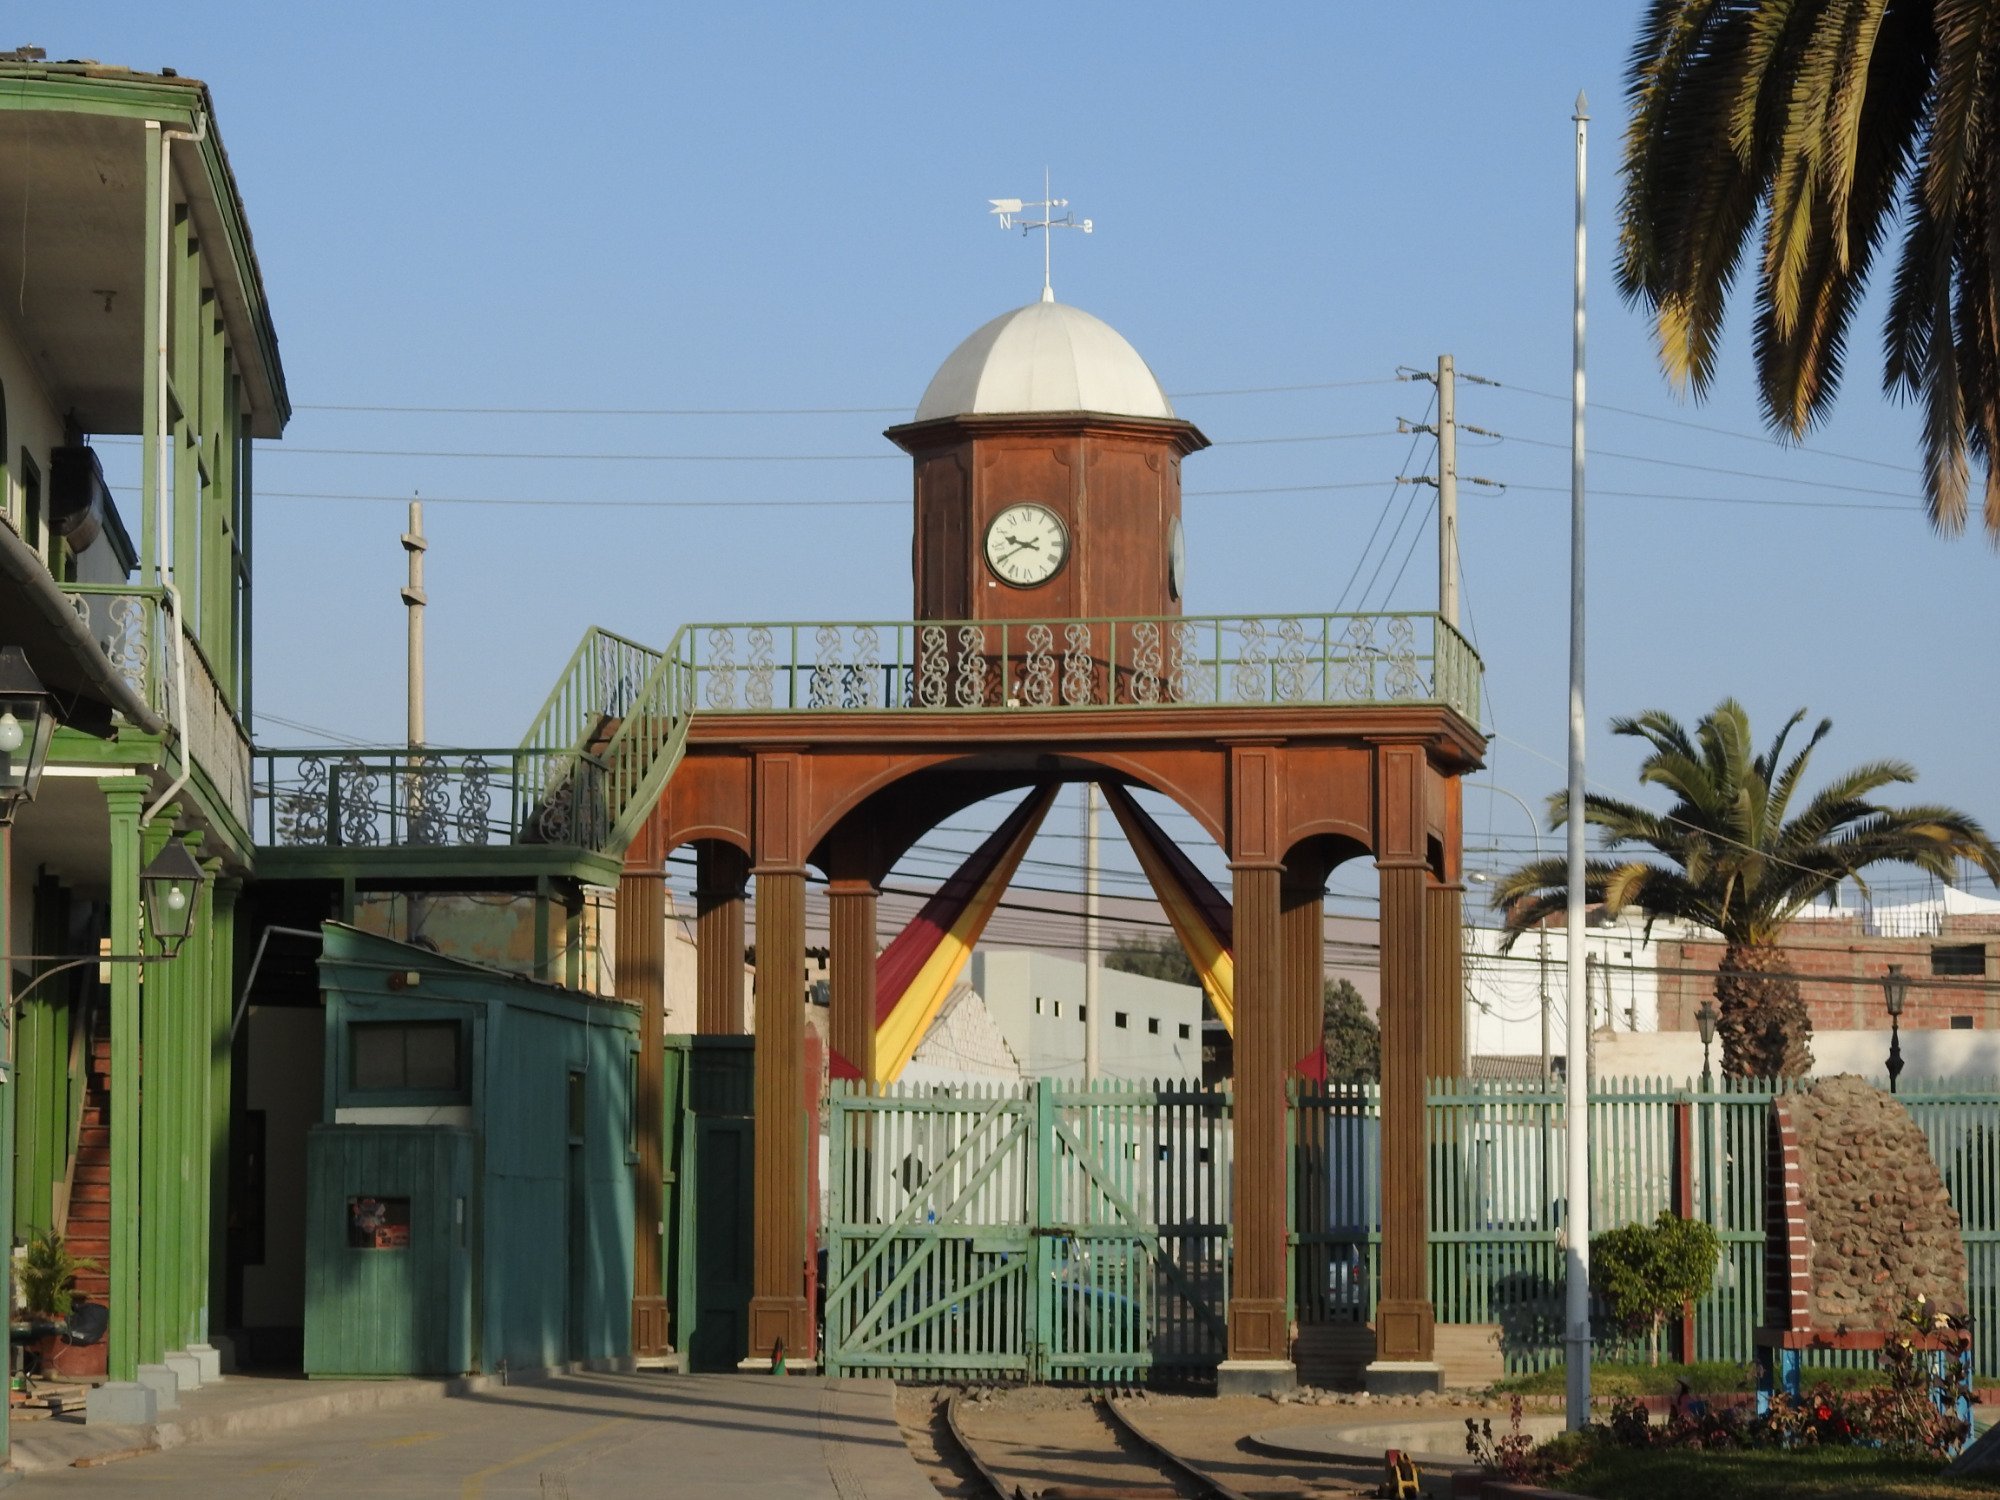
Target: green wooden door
x,y
388,1284
715,1326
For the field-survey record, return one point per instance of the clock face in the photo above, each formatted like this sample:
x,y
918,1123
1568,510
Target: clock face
x,y
1176,560
1026,545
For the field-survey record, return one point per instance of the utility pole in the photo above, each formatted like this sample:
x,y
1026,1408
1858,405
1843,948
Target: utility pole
x,y
1447,436
1576,1270
413,596
1091,957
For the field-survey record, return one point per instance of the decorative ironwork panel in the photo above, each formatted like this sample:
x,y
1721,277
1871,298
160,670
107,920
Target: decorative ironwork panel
x,y
933,667
867,686
827,687
1187,673
721,690
553,819
1146,662
300,811
1357,670
1038,668
1290,679
761,670
1404,680
426,800
475,800
970,687
1249,682
357,788
1079,676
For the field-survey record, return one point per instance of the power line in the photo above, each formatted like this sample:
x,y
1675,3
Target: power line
x,y
1728,432
1551,489
1675,463
772,411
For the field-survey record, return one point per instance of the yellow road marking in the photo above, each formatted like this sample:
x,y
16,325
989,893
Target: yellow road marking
x,y
405,1442
475,1483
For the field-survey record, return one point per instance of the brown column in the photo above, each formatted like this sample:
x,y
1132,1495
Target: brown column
x,y
1403,1315
1444,979
719,872
851,977
1257,1328
1302,938
778,1312
642,977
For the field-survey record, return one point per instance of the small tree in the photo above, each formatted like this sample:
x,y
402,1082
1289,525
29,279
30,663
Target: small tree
x,y
1353,1040
1155,958
1647,1272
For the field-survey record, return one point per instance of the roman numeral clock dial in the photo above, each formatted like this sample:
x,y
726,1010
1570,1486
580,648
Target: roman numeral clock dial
x,y
1026,545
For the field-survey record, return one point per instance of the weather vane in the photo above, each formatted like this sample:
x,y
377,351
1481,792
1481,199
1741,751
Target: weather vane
x,y
1011,209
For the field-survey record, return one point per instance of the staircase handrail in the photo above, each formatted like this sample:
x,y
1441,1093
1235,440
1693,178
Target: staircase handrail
x,y
600,680
649,742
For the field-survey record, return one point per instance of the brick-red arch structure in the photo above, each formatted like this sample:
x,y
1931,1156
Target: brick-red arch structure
x,y
1287,792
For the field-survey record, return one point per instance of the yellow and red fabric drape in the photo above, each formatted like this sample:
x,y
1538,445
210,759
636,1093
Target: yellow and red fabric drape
x,y
916,972
1199,913
1200,916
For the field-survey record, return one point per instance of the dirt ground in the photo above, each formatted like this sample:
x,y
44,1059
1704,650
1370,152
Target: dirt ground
x,y
1210,1431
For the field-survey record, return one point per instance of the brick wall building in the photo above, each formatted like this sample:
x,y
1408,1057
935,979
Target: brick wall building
x,y
1949,949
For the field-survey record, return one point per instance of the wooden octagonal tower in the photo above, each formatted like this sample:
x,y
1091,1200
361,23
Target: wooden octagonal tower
x,y
1049,643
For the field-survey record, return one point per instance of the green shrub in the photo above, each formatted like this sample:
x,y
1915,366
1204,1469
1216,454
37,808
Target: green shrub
x,y
1647,1272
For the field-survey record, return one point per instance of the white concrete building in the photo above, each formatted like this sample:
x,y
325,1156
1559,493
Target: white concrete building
x,y
1149,1028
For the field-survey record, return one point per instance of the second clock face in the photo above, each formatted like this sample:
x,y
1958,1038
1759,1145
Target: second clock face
x,y
1026,545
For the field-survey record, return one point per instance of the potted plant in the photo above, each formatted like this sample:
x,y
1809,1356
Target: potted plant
x,y
48,1271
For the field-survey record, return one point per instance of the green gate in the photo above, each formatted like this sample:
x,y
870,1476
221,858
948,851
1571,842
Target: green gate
x,y
1036,1231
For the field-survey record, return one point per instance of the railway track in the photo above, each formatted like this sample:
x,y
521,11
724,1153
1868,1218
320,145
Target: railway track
x,y
1085,1452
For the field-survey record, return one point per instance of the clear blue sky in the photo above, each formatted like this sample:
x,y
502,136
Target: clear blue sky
x,y
783,206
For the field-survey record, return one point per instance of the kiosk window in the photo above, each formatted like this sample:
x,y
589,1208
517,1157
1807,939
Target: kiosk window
x,y
378,1223
405,1055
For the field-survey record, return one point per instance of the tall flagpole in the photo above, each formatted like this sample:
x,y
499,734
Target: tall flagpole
x,y
1576,1338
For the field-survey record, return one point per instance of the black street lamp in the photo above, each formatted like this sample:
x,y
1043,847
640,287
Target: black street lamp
x,y
1895,988
27,719
168,887
1704,1020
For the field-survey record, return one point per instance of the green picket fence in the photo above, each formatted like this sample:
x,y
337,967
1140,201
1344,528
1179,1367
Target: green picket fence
x,y
1499,1200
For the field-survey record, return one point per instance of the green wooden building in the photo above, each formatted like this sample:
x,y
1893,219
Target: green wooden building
x,y
469,1190
139,345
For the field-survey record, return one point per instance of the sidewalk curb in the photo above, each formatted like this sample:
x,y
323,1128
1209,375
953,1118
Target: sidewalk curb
x,y
74,1446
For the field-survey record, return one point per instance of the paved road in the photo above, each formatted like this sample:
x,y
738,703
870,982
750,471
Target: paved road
x,y
571,1439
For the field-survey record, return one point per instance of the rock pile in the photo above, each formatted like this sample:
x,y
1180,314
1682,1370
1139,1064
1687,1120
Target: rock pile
x,y
1880,1225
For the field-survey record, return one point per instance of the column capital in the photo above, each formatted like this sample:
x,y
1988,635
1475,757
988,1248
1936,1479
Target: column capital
x,y
127,790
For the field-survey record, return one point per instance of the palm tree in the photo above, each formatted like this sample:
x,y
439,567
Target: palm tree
x,y
1835,125
1727,857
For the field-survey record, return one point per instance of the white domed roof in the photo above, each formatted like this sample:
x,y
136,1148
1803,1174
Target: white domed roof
x,y
1045,357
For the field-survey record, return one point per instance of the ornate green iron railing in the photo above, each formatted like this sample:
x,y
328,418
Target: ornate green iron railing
x,y
341,798
1174,661
617,720
131,627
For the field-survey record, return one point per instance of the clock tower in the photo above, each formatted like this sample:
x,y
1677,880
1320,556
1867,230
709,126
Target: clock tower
x,y
1048,476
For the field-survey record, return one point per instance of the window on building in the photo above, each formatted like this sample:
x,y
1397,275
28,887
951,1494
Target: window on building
x,y
1152,1025
1961,1023
1082,1013
1182,1031
1038,1005
420,1056
1121,1020
1960,960
1058,1006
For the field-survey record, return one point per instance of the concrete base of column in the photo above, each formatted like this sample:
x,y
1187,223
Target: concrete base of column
x,y
163,1383
186,1368
121,1403
208,1359
1402,1377
1256,1377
